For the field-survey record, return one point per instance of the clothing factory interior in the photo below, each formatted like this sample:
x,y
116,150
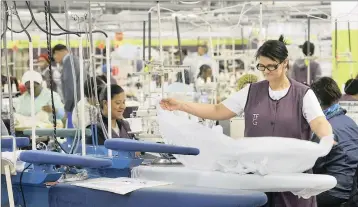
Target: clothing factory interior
x,y
179,103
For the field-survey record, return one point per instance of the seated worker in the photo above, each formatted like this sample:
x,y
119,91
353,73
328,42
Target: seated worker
x,y
120,127
179,77
44,63
351,90
299,69
342,161
89,102
42,98
205,73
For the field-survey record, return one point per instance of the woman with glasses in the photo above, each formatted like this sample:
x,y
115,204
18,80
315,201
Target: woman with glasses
x,y
277,106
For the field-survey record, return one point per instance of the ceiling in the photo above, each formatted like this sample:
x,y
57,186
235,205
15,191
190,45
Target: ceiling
x,y
129,15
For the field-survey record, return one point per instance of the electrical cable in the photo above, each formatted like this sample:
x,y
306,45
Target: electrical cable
x,y
49,53
6,16
48,39
18,32
76,140
57,34
22,26
21,188
58,25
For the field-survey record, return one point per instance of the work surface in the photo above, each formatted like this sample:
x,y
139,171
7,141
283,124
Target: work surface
x,y
64,195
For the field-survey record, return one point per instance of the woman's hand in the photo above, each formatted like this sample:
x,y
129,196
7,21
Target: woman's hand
x,y
170,104
47,108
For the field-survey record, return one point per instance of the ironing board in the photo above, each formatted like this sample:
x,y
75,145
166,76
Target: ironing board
x,y
302,184
64,195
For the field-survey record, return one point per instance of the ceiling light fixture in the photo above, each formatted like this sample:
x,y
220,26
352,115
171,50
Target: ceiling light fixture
x,y
190,2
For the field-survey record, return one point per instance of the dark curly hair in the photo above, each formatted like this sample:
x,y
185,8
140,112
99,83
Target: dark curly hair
x,y
327,91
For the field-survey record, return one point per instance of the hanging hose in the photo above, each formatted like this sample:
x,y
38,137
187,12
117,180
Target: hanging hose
x,y
57,34
48,39
6,16
22,26
18,32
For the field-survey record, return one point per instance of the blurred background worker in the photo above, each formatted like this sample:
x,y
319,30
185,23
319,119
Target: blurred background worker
x,y
300,67
351,90
342,161
42,98
70,78
44,62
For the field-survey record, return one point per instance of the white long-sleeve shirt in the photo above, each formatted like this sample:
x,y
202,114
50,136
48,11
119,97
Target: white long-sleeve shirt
x,y
87,115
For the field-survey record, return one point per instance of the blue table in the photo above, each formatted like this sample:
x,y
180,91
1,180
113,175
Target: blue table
x,y
64,195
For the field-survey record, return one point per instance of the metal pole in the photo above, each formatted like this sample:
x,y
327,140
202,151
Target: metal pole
x,y
143,40
308,51
349,37
335,40
32,90
82,107
11,110
1,86
160,48
179,48
242,40
179,40
260,31
149,36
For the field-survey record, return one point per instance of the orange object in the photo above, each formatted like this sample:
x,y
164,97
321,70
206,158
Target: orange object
x,y
118,36
22,88
115,70
15,48
101,45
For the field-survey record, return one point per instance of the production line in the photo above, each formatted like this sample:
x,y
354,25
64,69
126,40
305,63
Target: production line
x,y
162,153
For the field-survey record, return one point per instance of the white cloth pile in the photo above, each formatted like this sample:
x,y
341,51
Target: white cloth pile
x,y
275,164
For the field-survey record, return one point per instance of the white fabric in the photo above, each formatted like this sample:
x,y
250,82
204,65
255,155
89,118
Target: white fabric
x,y
10,156
89,109
31,75
219,152
311,108
300,184
120,186
23,102
116,129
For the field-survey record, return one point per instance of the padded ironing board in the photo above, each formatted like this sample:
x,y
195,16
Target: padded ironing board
x,y
6,142
302,184
134,145
55,158
64,195
59,132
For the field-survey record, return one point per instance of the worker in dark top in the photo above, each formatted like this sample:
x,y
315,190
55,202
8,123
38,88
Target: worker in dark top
x,y
120,127
342,160
265,105
300,67
351,90
70,78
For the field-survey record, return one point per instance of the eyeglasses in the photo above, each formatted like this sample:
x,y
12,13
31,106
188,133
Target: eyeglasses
x,y
261,67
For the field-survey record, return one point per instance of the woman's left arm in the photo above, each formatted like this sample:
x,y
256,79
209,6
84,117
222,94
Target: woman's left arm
x,y
314,115
321,127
